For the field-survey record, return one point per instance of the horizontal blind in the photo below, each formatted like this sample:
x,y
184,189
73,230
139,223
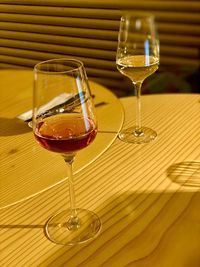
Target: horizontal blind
x,y
35,30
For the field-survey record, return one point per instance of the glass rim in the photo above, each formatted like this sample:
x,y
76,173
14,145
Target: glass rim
x,y
138,15
57,60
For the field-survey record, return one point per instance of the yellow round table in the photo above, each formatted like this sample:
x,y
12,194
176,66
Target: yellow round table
x,y
26,168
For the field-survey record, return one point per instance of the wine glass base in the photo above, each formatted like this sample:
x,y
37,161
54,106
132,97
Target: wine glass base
x,y
130,135
62,229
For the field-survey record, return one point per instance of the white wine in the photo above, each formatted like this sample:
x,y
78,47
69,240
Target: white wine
x,y
137,67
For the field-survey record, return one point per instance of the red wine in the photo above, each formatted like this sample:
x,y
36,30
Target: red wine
x,y
65,133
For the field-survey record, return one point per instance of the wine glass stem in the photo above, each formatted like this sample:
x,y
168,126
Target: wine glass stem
x,y
69,159
138,86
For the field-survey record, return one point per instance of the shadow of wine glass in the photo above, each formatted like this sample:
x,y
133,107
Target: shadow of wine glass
x,y
13,126
141,217
185,173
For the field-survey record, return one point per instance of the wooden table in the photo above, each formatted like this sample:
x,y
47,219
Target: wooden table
x,y
25,166
147,196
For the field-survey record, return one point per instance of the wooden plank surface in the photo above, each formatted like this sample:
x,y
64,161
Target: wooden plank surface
x,y
147,197
24,164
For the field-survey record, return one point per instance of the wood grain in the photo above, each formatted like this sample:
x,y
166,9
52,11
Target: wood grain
x,y
149,217
24,164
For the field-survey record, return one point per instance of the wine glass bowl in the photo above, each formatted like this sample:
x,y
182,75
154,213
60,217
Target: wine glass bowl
x,y
64,122
137,58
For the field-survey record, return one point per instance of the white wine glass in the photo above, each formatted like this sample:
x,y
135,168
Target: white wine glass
x,y
137,58
64,122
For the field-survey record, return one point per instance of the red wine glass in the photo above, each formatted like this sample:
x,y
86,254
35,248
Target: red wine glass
x,y
64,122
